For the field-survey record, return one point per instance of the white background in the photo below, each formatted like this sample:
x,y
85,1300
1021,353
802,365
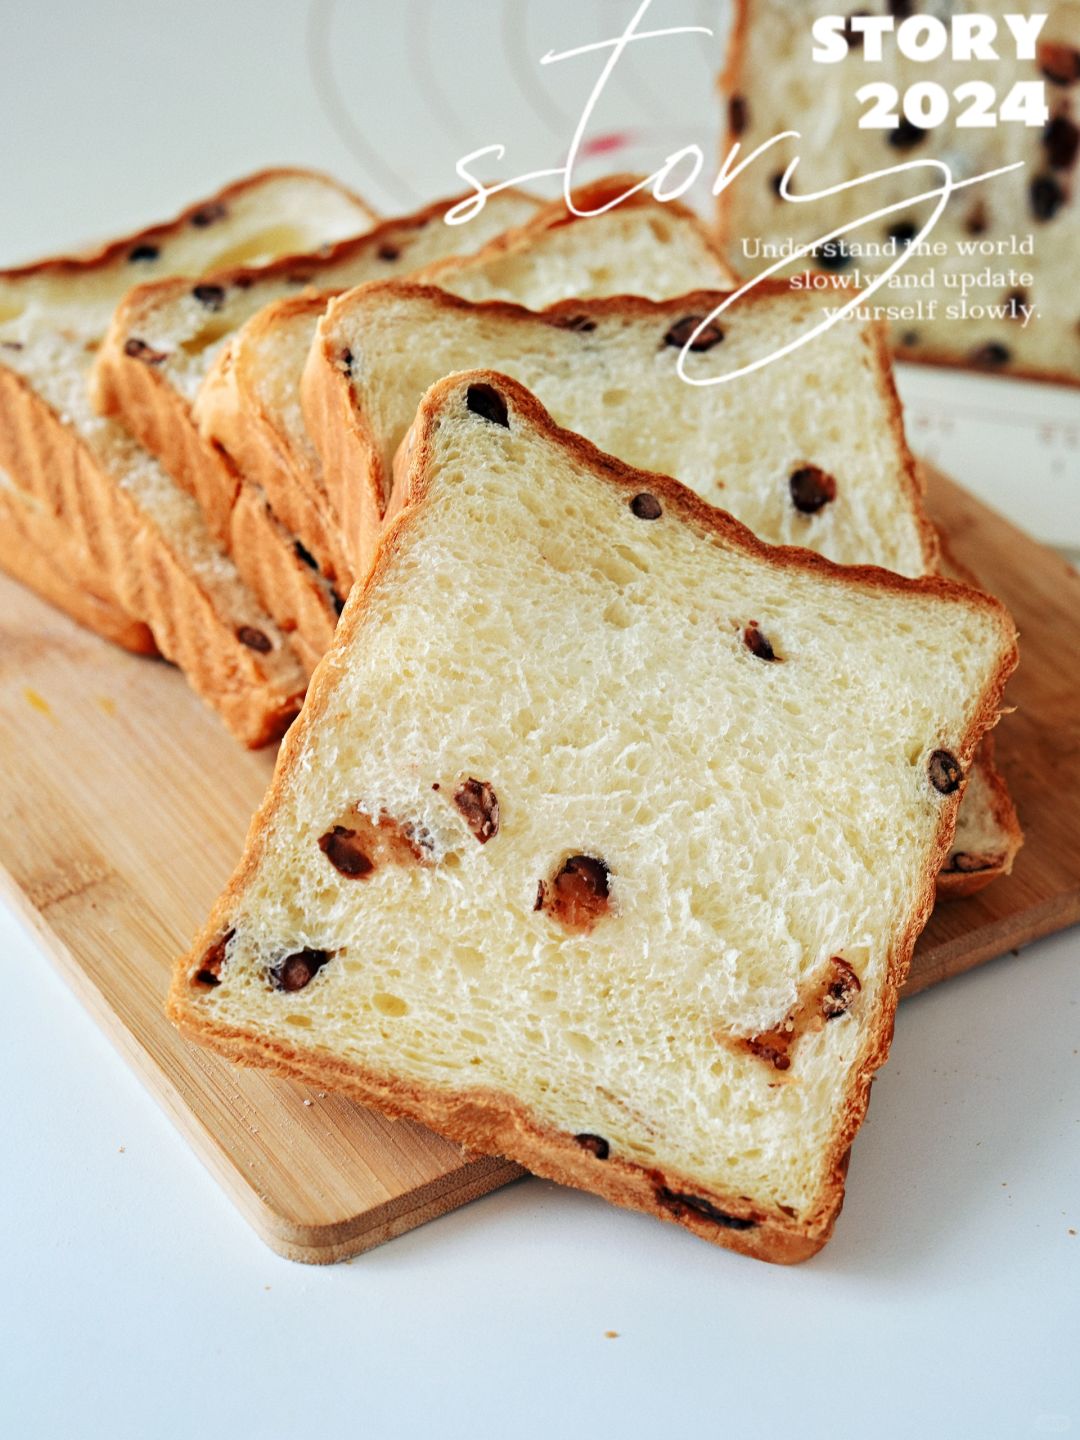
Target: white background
x,y
133,1299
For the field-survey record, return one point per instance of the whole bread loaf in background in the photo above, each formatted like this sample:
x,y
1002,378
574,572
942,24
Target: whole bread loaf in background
x,y
771,85
606,831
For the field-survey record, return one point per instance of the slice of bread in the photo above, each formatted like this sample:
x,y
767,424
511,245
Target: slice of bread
x,y
163,342
772,86
140,540
606,368
642,246
988,834
606,831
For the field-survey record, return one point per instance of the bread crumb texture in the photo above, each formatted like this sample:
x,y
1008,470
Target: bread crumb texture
x,y
720,827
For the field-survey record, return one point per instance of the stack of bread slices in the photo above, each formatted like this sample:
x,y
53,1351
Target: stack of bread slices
x,y
649,728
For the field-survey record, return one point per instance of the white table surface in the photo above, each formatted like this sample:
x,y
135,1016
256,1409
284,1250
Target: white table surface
x,y
134,1301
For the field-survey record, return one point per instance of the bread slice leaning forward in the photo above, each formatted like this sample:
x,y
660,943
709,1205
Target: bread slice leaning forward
x,y
606,831
809,450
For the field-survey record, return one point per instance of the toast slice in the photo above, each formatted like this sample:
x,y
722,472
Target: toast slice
x,y
141,542
1007,326
641,245
606,831
826,415
167,336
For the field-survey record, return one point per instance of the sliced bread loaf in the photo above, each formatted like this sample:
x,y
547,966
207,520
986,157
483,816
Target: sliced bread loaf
x,y
810,450
163,342
606,831
250,406
998,322
140,540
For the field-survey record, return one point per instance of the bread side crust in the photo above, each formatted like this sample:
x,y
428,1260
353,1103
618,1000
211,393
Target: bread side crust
x,y
50,461
877,337
498,1123
265,554
256,697
136,394
231,409
37,551
357,486
958,884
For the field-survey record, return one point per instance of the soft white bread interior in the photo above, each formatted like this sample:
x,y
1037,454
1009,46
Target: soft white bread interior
x,y
167,336
808,450
606,831
140,538
1020,312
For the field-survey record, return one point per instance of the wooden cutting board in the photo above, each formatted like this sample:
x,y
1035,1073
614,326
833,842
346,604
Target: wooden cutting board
x,y
124,807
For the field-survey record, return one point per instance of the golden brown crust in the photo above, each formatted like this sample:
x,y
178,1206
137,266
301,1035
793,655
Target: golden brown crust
x,y
255,695
128,389
292,591
37,551
351,464
495,1124
498,1123
160,418
878,336
232,409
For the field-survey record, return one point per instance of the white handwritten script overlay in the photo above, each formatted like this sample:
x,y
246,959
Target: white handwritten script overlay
x,y
689,161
